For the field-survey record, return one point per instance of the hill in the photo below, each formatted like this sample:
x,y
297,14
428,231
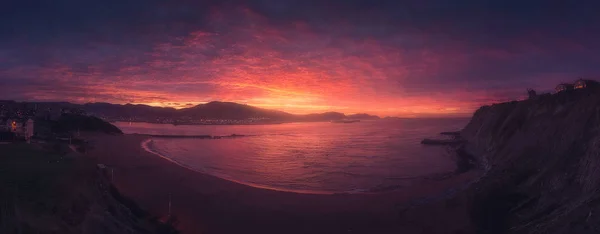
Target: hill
x,y
48,191
145,113
362,116
109,110
73,122
327,116
231,110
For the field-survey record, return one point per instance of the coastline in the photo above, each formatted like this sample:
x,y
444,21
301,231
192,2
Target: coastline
x,y
204,203
52,188
148,148
144,145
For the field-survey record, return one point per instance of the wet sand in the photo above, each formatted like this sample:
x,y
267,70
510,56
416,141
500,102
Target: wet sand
x,y
206,204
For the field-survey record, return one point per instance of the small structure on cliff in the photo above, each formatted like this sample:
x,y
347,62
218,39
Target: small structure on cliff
x,y
563,87
531,93
583,83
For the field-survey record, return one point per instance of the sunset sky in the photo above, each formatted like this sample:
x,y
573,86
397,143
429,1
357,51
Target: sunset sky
x,y
396,58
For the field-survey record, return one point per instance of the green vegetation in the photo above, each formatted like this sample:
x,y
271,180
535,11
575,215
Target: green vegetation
x,y
45,190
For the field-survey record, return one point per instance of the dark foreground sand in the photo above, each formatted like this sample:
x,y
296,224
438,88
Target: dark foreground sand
x,y
206,204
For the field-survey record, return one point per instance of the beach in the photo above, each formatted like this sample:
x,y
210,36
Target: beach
x,y
205,204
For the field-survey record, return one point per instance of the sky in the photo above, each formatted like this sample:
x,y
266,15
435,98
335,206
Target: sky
x,y
384,57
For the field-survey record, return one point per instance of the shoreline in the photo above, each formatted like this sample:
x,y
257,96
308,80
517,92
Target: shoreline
x,y
436,176
144,145
205,203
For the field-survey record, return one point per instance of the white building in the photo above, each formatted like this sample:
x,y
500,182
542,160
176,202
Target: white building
x,y
20,128
28,129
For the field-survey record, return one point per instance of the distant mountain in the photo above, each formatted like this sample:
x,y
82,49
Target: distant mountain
x,y
211,110
231,110
327,116
362,116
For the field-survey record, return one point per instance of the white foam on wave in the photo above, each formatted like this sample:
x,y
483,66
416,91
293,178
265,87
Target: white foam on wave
x,y
146,147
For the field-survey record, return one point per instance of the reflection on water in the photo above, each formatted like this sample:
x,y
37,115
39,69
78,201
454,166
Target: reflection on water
x,y
319,157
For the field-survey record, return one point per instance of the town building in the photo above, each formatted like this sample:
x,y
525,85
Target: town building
x,y
583,83
564,87
21,128
531,94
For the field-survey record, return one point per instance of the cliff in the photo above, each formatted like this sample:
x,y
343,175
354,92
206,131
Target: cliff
x,y
542,158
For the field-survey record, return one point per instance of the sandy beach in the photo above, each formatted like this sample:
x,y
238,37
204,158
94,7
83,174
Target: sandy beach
x,y
207,204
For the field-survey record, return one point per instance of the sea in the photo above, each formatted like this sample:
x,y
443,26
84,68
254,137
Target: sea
x,y
318,157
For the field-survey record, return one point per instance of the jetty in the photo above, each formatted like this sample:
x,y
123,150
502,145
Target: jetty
x,y
195,136
428,141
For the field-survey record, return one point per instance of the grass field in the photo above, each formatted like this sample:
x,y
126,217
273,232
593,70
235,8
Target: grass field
x,y
48,189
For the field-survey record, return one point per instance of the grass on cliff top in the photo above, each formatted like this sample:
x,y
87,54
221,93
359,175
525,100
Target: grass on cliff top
x,y
27,171
33,185
47,189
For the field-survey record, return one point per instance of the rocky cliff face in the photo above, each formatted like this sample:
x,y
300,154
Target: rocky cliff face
x,y
543,162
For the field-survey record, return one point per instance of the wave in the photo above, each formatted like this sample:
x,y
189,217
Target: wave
x,y
385,188
390,188
214,136
392,185
147,146
354,191
198,136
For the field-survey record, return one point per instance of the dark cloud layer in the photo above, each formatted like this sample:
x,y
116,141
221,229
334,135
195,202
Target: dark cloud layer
x,y
394,57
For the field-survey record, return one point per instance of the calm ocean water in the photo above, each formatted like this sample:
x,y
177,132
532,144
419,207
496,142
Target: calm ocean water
x,y
310,157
